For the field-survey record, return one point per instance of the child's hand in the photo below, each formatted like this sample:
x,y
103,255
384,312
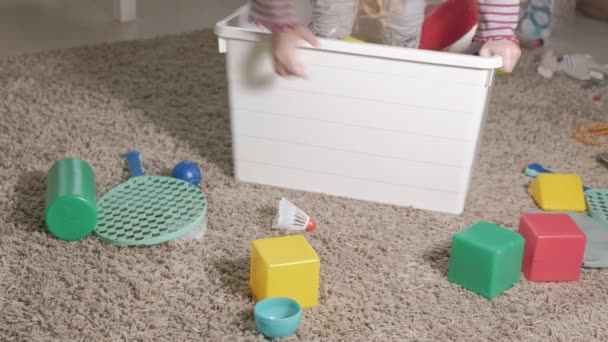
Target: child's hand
x,y
507,49
284,46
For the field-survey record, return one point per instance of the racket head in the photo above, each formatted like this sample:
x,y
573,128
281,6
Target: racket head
x,y
149,210
597,204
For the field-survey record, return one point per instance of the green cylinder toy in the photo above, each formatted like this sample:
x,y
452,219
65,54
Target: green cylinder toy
x,y
71,200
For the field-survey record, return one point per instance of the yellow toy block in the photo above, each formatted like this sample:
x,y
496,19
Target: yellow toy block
x,y
553,192
285,267
353,39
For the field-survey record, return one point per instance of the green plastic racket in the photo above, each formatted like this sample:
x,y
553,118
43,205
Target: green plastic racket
x,y
597,204
147,210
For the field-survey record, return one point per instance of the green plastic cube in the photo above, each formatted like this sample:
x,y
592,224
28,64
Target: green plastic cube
x,y
486,259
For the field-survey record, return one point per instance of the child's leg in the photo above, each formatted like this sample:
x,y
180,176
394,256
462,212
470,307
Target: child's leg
x,y
404,22
333,18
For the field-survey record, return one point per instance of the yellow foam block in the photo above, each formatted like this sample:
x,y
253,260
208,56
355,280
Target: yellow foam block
x,y
553,192
285,267
353,39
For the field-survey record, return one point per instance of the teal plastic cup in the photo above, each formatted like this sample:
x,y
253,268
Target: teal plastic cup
x,y
71,204
277,317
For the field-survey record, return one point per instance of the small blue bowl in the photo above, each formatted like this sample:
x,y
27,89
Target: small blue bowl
x,y
277,317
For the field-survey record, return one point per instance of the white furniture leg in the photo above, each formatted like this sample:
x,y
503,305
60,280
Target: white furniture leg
x,y
125,10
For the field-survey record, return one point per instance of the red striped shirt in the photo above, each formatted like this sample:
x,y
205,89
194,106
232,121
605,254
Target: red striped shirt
x,y
498,19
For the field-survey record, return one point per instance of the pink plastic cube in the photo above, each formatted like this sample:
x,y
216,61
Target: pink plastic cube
x,y
554,249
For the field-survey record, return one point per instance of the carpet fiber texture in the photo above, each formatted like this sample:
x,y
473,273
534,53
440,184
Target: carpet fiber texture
x,y
383,274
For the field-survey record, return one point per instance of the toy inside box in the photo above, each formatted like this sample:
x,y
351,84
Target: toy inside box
x,y
372,122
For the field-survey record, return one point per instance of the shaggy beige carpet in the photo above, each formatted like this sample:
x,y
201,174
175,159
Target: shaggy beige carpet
x,y
383,274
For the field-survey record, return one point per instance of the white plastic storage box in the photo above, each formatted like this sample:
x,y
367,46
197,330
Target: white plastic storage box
x,y
371,122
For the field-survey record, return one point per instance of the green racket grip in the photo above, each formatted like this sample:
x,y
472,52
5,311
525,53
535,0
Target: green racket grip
x,y
71,200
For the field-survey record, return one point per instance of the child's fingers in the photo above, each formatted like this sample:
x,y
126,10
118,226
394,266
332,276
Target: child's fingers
x,y
298,70
292,67
295,69
485,52
287,69
506,59
507,64
512,56
307,36
280,70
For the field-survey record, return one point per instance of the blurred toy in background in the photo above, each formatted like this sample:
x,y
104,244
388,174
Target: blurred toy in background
x,y
539,19
548,65
579,66
535,20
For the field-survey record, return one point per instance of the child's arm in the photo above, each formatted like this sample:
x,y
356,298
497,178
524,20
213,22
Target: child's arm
x,y
280,17
498,20
276,15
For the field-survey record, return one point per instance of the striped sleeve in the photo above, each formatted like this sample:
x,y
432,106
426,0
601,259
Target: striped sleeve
x,y
498,19
276,15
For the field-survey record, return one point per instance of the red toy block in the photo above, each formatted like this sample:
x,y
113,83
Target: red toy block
x,y
554,249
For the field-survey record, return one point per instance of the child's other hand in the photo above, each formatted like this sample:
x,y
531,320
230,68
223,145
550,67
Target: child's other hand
x,y
284,46
507,49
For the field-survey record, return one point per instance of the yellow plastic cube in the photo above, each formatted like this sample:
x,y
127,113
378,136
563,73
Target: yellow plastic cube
x,y
562,192
285,267
353,39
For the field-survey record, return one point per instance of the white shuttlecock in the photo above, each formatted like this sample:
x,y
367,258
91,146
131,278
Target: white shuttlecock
x,y
292,218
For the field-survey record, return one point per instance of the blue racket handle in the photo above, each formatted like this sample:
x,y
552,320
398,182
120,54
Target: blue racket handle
x,y
136,166
534,169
